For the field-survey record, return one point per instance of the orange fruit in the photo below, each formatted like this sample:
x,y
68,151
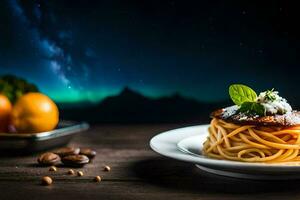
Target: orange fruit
x,y
33,113
5,111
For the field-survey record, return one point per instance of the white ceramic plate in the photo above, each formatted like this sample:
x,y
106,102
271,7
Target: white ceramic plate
x,y
185,144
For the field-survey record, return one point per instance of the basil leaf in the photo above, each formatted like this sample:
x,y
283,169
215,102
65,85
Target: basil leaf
x,y
253,108
241,93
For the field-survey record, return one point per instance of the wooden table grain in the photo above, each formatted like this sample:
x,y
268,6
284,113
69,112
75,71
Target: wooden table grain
x,y
136,173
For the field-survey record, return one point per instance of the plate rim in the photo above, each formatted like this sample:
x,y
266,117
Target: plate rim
x,y
58,132
206,161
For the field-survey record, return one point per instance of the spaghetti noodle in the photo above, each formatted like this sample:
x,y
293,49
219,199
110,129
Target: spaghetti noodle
x,y
251,143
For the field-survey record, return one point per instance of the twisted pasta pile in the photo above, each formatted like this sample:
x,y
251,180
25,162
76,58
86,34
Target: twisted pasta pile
x,y
251,143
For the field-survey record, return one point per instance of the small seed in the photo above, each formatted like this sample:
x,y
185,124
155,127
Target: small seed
x,y
79,173
106,168
46,180
71,172
97,179
52,169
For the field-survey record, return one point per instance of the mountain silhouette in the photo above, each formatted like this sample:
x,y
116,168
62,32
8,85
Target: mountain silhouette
x,y
130,106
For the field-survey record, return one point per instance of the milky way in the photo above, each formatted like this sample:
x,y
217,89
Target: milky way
x,y
86,50
55,43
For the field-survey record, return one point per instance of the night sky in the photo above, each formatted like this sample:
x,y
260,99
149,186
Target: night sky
x,y
87,50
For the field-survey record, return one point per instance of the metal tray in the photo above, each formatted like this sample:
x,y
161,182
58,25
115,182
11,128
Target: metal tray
x,y
29,143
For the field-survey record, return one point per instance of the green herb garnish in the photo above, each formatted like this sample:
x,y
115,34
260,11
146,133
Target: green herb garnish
x,y
246,98
241,93
270,95
253,108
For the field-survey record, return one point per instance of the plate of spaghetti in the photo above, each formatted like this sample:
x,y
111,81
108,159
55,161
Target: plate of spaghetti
x,y
258,138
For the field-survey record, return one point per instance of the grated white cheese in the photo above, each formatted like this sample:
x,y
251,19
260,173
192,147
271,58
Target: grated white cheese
x,y
229,111
276,105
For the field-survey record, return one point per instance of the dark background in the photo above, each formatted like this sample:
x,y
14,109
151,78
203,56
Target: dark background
x,y
150,61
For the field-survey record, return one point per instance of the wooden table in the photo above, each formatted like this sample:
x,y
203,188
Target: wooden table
x,y
137,173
